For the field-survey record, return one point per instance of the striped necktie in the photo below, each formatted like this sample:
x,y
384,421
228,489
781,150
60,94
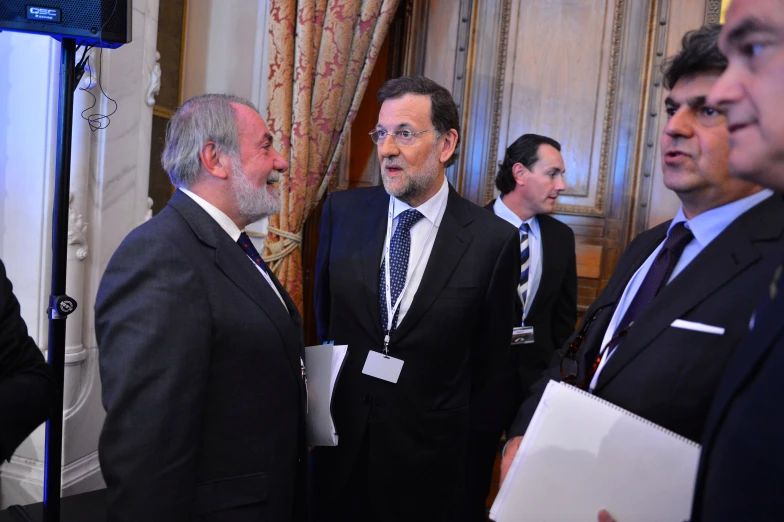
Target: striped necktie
x,y
525,263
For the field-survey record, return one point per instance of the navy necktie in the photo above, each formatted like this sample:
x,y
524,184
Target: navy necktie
x,y
655,279
525,263
250,250
399,250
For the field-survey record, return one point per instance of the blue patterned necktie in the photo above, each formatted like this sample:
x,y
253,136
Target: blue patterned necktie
x,y
399,249
250,250
525,264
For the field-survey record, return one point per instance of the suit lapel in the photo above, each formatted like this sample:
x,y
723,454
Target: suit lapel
x,y
371,231
451,242
755,345
232,261
726,256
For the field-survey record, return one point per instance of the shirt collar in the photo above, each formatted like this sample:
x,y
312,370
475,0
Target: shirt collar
x,y
429,208
223,220
708,225
505,213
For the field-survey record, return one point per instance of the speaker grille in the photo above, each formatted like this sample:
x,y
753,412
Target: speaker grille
x,y
97,18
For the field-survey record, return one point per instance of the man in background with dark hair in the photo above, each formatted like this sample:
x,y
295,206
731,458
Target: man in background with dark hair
x,y
420,284
530,179
660,335
26,384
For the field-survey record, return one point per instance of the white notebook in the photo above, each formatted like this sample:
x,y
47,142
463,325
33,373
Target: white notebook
x,y
322,365
582,454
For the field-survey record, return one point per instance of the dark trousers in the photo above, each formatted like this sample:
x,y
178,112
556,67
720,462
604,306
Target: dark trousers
x,y
482,451
352,503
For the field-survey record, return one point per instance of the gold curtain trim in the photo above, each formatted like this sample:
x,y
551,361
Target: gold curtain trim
x,y
289,241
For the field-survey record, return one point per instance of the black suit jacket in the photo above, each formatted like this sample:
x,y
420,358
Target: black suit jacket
x,y
26,384
553,314
455,335
200,367
741,473
665,374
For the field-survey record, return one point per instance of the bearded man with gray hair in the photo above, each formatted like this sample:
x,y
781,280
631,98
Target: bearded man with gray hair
x,y
200,346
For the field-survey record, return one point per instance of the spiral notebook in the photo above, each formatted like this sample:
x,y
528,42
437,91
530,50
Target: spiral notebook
x,y
582,454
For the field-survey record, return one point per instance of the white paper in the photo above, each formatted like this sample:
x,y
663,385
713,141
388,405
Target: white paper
x,y
322,365
581,455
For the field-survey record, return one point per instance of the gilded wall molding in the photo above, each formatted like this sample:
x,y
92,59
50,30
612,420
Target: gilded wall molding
x,y
651,135
713,11
492,162
607,135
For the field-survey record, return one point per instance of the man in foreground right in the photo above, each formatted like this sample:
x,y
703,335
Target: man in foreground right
x,y
702,268
741,473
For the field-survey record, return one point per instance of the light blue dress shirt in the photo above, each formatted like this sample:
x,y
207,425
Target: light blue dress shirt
x,y
534,249
705,227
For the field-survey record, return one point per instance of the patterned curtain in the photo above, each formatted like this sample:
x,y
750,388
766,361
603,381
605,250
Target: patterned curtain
x,y
321,55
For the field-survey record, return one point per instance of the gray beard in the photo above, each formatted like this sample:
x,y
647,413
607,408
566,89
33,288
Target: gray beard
x,y
252,203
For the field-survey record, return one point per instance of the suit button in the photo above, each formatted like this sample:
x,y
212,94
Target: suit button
x,y
367,397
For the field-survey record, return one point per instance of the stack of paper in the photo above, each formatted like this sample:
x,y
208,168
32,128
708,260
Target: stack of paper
x,y
582,454
322,365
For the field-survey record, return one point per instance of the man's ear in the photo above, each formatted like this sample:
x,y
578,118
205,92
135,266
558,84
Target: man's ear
x,y
215,162
518,173
449,144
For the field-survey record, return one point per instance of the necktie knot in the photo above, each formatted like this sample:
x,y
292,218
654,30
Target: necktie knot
x,y
678,238
408,219
251,252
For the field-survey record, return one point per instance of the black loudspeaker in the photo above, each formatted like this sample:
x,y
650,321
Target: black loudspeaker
x,y
102,23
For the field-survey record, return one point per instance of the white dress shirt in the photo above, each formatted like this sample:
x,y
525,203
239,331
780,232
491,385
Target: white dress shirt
x,y
534,249
421,245
232,230
705,227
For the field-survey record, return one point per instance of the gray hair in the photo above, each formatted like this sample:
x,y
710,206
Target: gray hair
x,y
203,118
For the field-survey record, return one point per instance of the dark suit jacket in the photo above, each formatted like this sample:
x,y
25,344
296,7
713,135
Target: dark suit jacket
x,y
741,473
553,314
200,367
669,375
455,335
26,385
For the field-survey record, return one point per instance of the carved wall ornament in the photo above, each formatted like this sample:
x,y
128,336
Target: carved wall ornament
x,y
155,80
713,11
77,230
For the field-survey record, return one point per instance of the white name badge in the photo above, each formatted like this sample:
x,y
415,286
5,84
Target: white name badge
x,y
522,335
382,366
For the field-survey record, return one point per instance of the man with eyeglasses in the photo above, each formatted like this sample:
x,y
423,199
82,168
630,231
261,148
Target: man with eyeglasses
x,y
530,179
420,284
658,338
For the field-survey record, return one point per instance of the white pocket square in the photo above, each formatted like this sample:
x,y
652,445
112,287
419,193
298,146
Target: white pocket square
x,y
697,327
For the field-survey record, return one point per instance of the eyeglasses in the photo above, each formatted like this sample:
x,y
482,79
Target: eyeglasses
x,y
570,365
403,137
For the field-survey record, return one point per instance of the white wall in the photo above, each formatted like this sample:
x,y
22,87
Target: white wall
x,y
109,178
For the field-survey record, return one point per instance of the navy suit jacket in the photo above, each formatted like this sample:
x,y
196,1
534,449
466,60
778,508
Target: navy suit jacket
x,y
453,338
670,375
26,384
202,385
741,473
